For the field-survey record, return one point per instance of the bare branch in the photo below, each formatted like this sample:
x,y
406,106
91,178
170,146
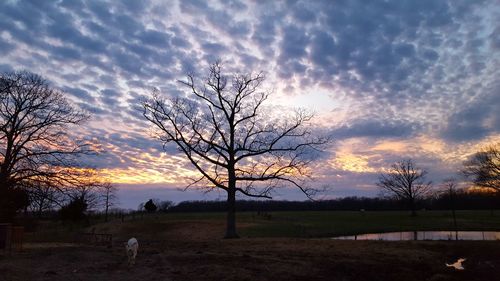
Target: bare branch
x,y
406,182
235,145
484,168
35,121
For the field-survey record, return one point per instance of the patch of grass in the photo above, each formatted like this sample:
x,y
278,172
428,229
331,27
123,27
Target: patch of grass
x,y
337,223
54,231
279,224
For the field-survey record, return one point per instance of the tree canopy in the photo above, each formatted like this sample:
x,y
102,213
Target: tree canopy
x,y
483,168
36,147
235,143
406,182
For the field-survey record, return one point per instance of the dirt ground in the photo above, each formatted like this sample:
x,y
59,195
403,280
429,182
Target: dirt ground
x,y
193,250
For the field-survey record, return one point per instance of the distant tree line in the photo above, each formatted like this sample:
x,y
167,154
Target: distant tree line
x,y
462,200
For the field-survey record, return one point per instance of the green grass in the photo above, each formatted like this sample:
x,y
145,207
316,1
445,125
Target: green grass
x,y
295,223
336,223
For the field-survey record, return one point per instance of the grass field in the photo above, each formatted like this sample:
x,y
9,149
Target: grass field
x,y
188,246
305,224
338,223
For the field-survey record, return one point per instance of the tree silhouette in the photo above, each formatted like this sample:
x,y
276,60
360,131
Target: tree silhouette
x,y
91,186
150,206
35,145
163,206
484,168
43,197
85,184
236,145
108,197
405,182
449,189
74,210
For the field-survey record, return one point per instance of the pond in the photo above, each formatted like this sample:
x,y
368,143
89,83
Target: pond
x,y
425,235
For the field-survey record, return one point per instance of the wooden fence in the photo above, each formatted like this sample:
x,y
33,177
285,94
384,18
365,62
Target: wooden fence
x,y
99,239
11,237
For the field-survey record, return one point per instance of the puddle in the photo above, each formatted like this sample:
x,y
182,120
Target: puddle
x,y
425,235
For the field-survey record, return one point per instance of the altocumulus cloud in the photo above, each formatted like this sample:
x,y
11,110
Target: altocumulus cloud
x,y
397,69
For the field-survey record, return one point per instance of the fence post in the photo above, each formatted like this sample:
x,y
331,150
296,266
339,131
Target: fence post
x,y
5,235
17,237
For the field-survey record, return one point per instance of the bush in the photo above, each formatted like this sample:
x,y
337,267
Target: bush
x,y
11,201
74,211
150,206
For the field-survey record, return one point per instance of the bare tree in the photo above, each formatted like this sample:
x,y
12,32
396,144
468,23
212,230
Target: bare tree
x,y
140,207
235,145
484,168
109,197
163,206
86,185
449,189
44,197
405,182
35,145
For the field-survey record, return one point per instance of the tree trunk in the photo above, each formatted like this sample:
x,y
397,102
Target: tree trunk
x,y
39,212
231,215
107,206
452,205
413,207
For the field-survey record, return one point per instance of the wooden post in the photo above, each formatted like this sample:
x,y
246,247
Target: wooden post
x,y
17,237
5,235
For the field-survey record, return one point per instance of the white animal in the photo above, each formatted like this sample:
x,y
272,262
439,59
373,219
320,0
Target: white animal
x,y
132,246
457,265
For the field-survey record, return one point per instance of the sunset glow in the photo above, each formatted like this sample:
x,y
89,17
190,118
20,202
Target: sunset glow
x,y
387,82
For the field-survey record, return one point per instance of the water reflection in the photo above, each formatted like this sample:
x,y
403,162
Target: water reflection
x,y
425,235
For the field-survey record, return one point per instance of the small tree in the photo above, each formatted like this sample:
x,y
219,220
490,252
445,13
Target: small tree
x,y
484,168
449,189
405,182
140,207
150,206
44,197
86,189
234,144
74,210
163,206
108,196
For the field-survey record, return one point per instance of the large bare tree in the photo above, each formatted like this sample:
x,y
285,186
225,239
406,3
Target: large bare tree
x,y
35,144
484,168
235,144
406,182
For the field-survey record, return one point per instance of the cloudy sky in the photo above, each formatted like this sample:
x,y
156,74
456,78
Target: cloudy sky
x,y
389,79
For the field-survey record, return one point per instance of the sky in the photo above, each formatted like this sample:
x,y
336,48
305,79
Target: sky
x,y
389,80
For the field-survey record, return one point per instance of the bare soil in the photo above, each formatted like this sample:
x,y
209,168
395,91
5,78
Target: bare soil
x,y
193,250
